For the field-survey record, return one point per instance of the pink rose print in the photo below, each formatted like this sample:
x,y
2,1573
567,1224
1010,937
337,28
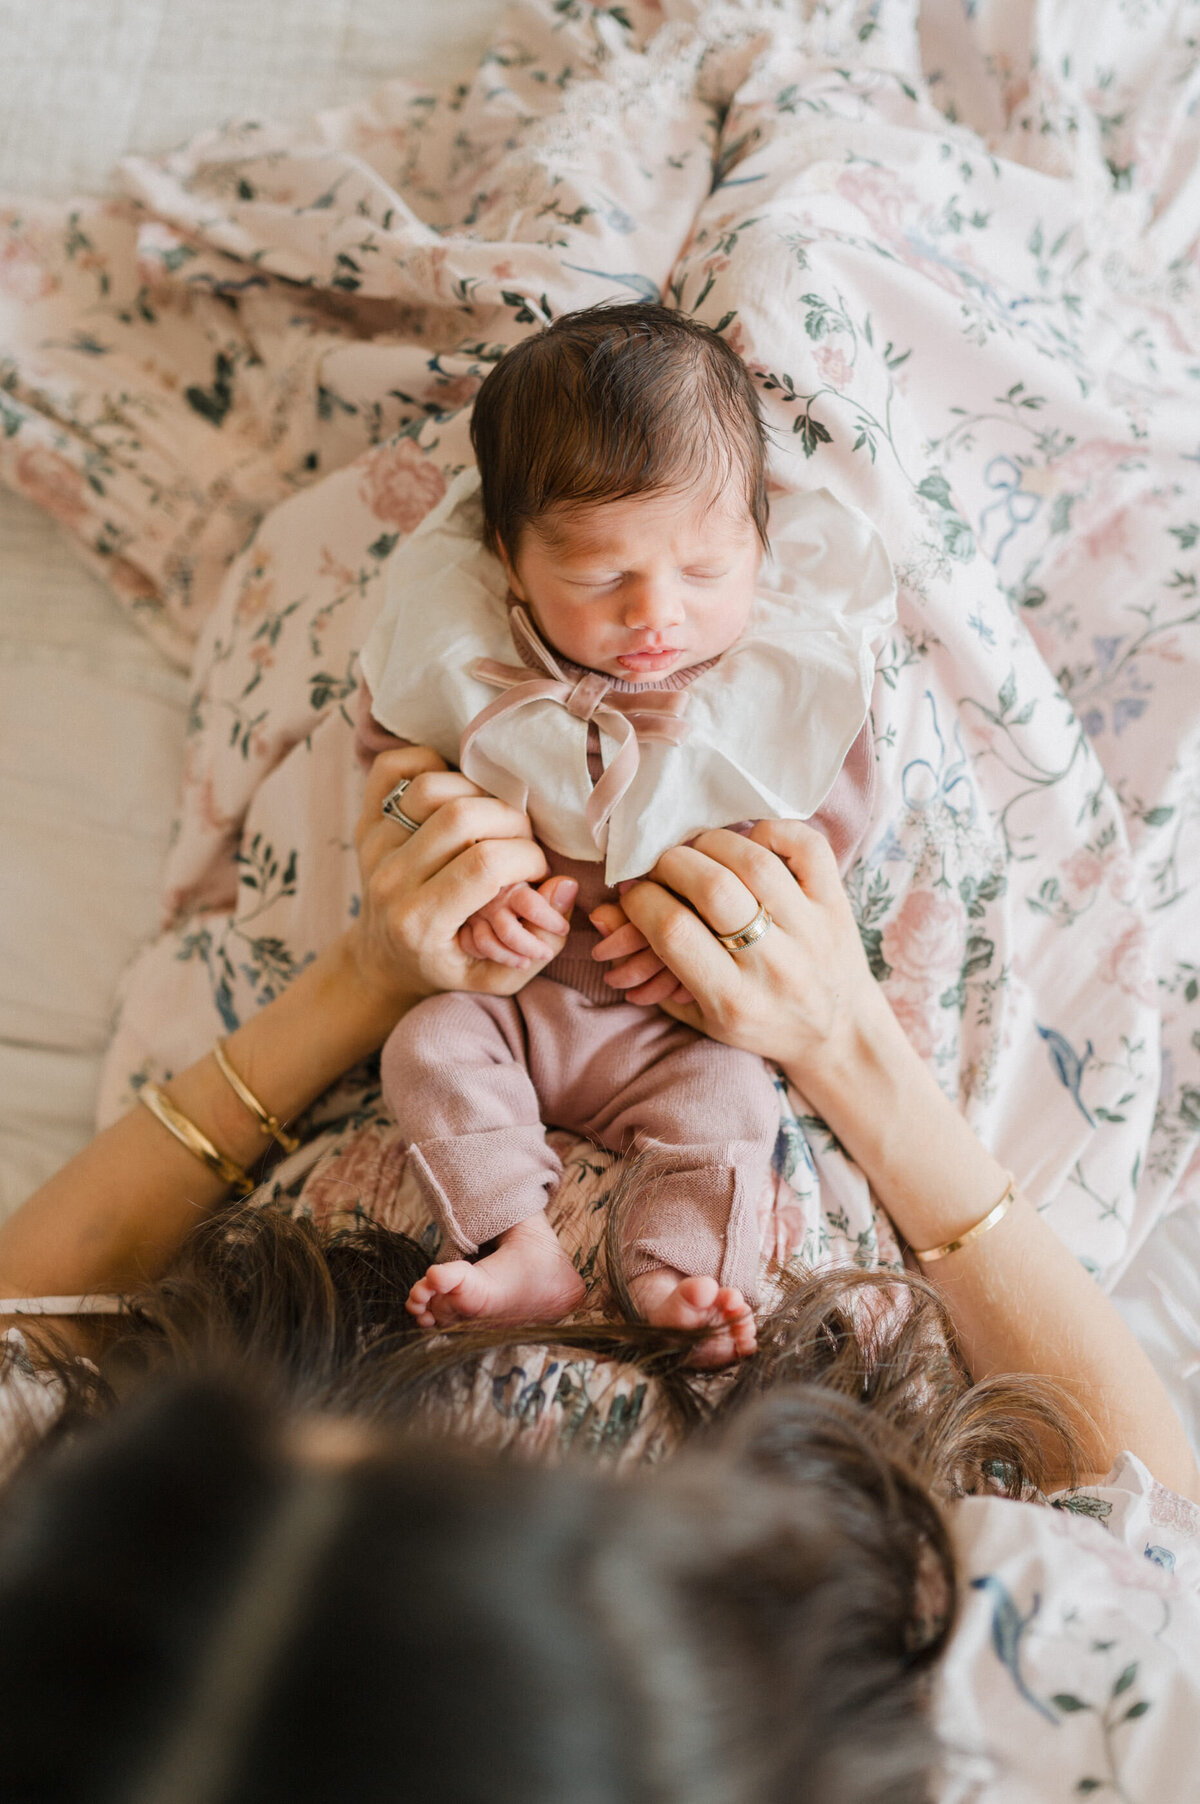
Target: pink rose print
x,y
51,482
400,485
257,589
129,581
832,363
1110,539
22,274
364,1173
735,338
924,943
1082,872
1169,1510
917,1020
1123,878
1083,869
1127,963
456,391
879,197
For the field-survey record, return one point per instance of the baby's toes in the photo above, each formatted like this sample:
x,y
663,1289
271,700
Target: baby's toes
x,y
730,1304
732,1309
744,1335
745,1341
417,1303
698,1297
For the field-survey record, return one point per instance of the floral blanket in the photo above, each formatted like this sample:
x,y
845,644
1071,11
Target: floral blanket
x,y
958,252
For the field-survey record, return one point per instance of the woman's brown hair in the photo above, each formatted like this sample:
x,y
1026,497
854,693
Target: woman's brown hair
x,y
753,1622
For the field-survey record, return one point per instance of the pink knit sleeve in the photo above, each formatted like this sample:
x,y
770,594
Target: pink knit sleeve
x,y
844,817
369,737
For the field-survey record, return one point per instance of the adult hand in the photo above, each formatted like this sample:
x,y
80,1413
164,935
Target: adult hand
x,y
795,994
419,888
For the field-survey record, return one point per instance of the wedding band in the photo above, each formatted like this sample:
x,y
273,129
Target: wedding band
x,y
746,936
393,810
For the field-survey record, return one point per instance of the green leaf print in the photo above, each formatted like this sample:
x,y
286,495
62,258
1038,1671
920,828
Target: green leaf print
x,y
935,488
213,403
814,433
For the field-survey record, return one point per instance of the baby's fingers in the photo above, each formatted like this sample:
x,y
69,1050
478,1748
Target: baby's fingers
x,y
664,986
528,905
636,970
509,931
489,944
608,917
626,940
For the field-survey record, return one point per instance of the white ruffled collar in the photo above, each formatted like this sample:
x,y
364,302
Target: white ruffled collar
x,y
768,724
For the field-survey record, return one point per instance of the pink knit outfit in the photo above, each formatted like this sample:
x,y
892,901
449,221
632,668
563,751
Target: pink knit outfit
x,y
472,1079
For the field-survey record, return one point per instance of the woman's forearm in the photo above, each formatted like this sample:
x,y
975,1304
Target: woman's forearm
x,y
117,1212
1019,1298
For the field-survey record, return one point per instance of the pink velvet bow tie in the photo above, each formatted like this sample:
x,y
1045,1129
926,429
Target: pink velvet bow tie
x,y
627,717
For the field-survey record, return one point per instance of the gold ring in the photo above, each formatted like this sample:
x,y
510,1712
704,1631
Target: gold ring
x,y
746,936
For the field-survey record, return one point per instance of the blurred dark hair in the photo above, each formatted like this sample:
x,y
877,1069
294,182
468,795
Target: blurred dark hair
x,y
198,1608
609,402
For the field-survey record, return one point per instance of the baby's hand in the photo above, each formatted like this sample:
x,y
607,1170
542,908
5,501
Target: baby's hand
x,y
495,931
638,971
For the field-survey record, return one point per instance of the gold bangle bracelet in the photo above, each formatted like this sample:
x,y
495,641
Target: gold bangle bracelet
x,y
268,1124
994,1215
191,1137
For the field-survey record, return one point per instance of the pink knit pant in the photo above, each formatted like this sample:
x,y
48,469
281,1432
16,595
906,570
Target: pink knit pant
x,y
471,1079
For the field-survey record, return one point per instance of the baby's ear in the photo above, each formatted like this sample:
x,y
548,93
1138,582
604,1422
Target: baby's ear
x,y
516,590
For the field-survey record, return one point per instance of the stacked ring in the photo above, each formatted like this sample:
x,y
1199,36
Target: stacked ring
x,y
393,810
747,935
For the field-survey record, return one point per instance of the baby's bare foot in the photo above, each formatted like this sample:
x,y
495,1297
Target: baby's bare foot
x,y
528,1278
670,1301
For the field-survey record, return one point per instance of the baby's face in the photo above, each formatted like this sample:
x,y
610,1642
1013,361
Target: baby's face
x,y
642,587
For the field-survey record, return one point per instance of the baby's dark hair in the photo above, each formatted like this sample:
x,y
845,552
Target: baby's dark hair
x,y
615,401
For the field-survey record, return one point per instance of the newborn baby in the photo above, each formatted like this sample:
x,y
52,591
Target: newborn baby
x,y
663,686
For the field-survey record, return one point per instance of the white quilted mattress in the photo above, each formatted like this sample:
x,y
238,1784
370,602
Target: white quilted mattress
x,y
91,716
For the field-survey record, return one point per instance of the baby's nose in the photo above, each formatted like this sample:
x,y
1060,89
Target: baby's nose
x,y
653,605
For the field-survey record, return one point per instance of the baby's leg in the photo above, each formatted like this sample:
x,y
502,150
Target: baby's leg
x,y
455,1081
708,1116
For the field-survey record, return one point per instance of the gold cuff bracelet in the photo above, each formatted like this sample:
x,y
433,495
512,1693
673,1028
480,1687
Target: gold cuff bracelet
x,y
994,1215
268,1124
191,1137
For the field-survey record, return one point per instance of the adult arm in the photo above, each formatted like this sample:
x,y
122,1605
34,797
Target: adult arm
x,y
804,996
116,1213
